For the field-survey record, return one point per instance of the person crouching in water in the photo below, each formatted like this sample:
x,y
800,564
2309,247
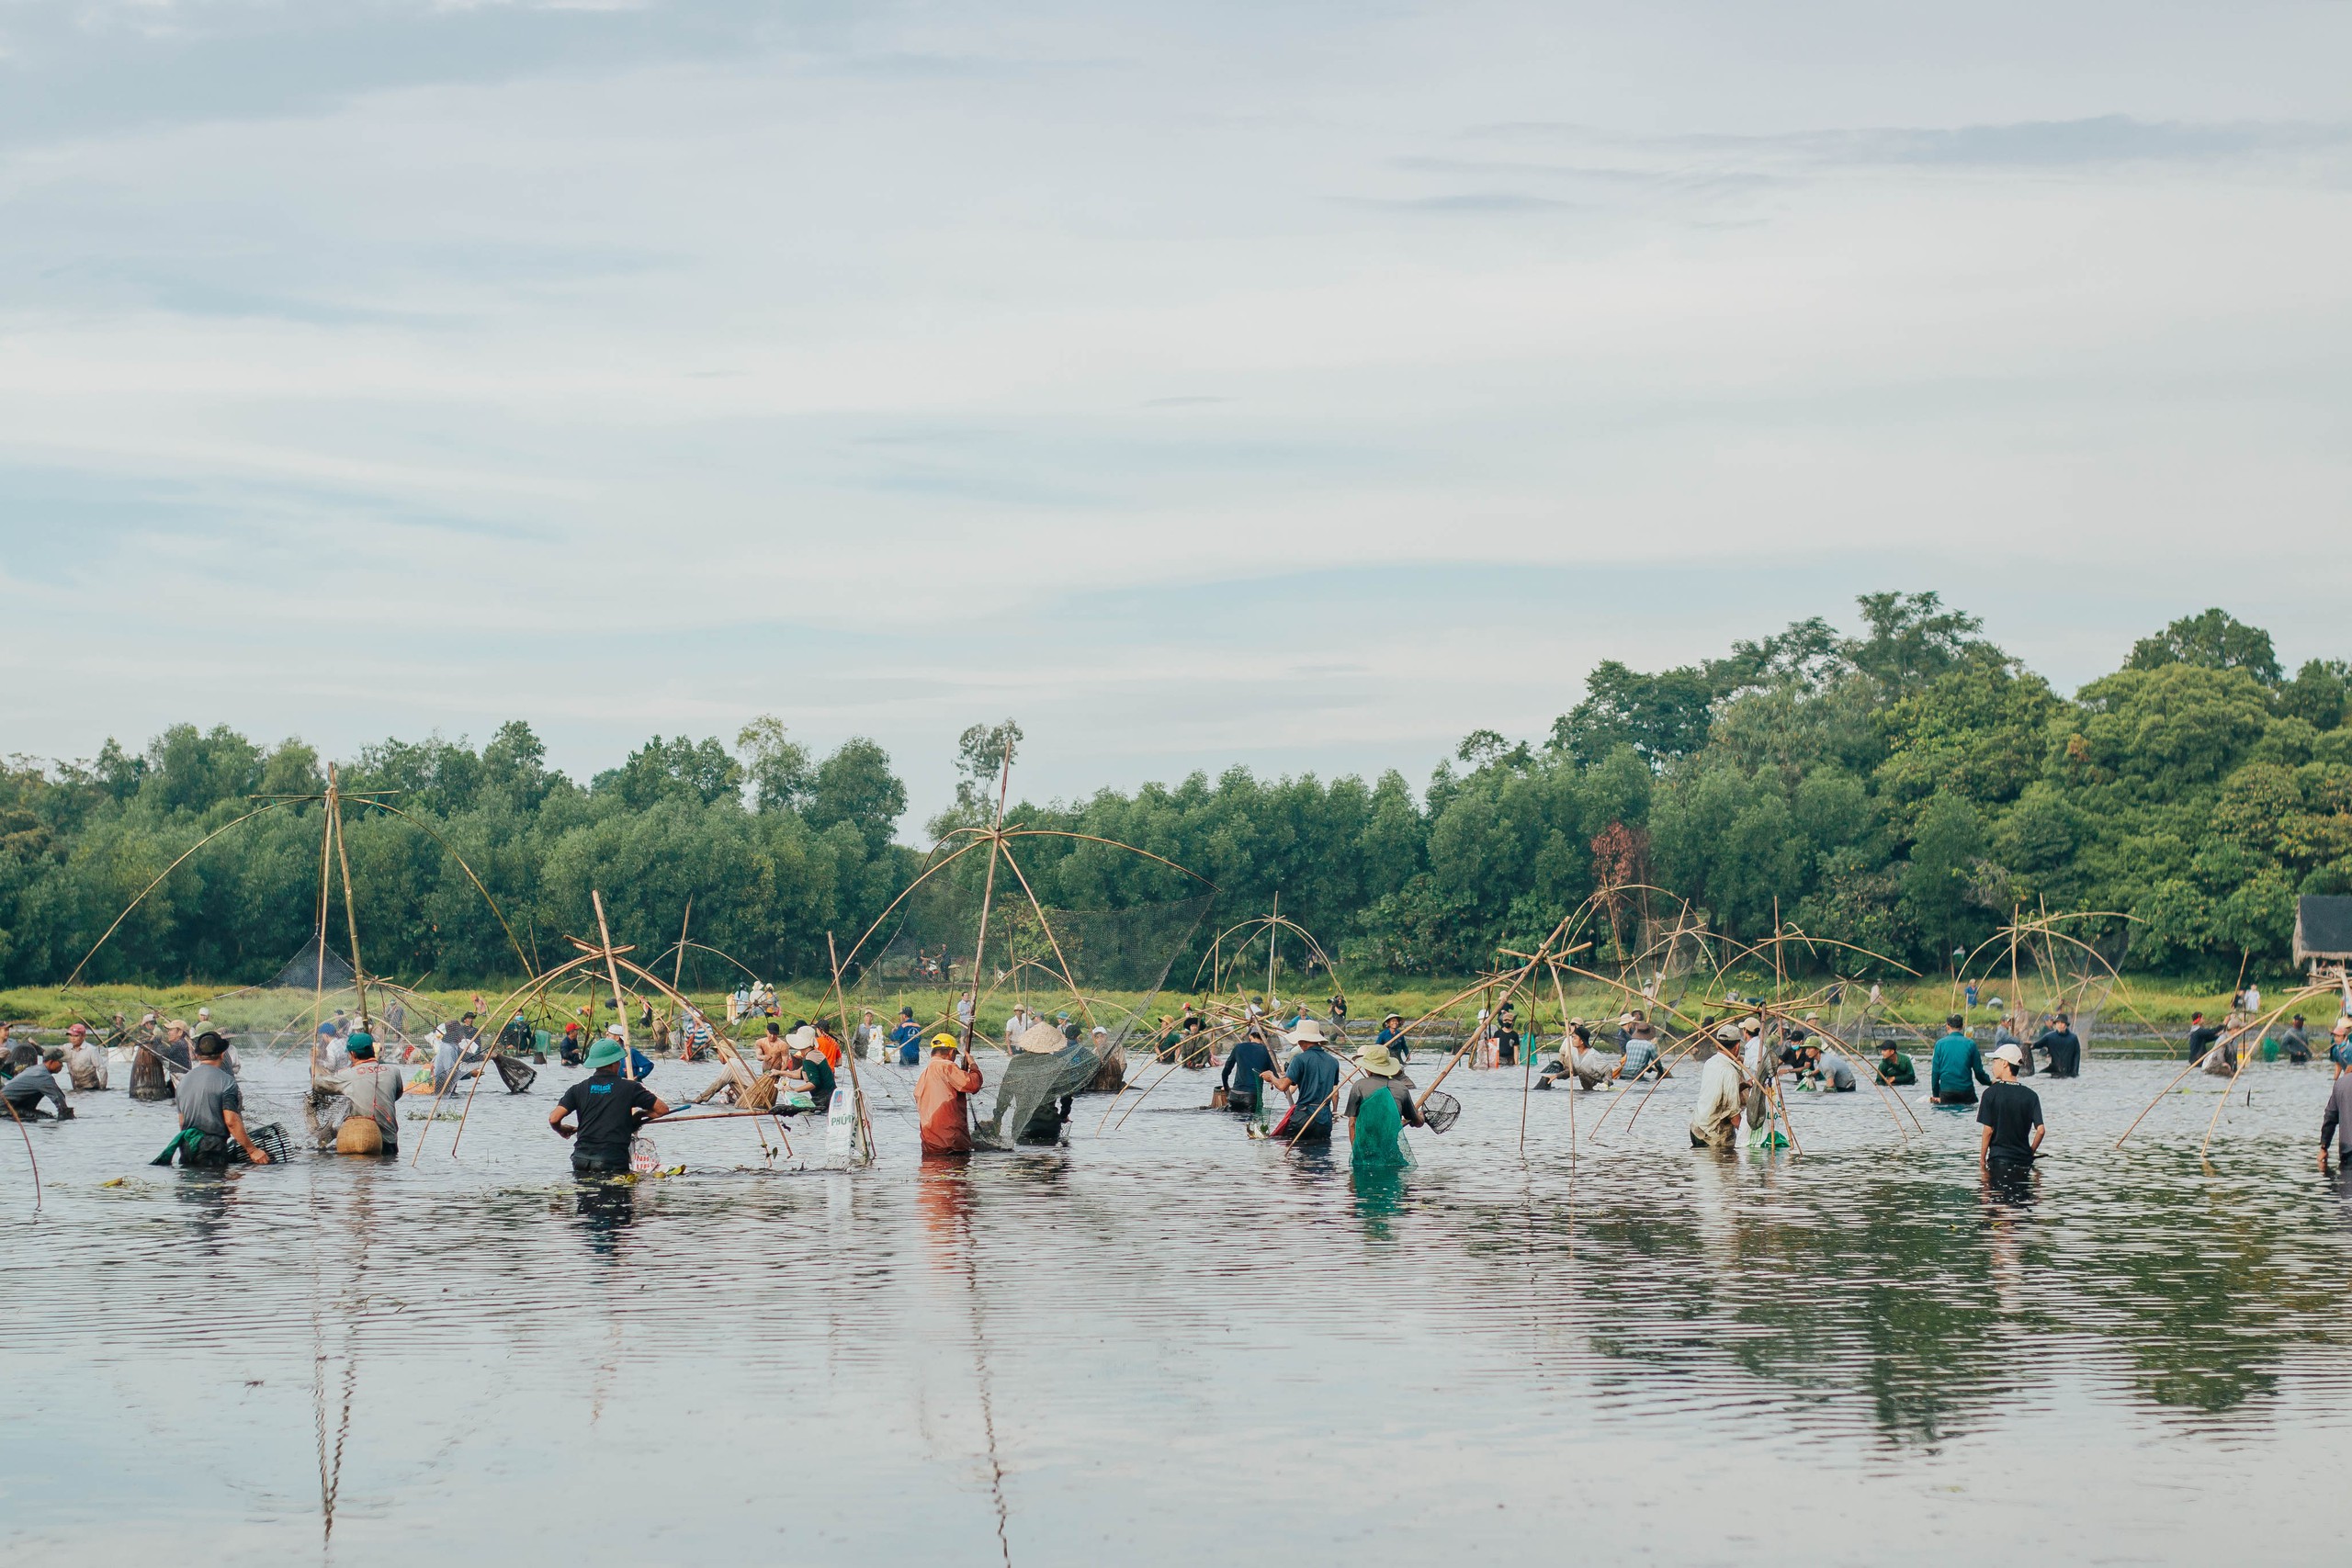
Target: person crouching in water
x,y
946,1082
808,1070
212,1113
36,1082
373,1127
611,1109
1379,1107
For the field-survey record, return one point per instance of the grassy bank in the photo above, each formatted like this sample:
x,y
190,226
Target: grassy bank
x,y
2162,1003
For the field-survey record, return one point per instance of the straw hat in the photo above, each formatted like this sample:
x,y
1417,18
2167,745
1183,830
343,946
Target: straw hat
x,y
1307,1033
1042,1039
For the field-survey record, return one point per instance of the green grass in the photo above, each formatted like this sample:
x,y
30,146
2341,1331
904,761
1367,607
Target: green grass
x,y
2164,1003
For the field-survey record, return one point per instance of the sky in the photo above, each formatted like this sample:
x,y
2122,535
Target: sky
x,y
1301,386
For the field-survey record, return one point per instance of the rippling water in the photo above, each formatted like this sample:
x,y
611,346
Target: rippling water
x,y
1166,1342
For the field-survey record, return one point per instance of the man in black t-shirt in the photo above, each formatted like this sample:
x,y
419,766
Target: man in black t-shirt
x,y
611,1109
2010,1115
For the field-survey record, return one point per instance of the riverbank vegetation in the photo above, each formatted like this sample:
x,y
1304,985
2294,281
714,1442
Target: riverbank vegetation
x,y
1904,789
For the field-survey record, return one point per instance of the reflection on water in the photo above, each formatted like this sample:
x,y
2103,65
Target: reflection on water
x,y
1170,1342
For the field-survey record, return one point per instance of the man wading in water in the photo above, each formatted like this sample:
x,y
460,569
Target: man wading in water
x,y
2010,1118
611,1109
1714,1124
213,1113
1957,1067
1312,1076
373,1127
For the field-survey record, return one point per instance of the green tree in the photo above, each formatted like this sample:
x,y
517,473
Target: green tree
x,y
2211,640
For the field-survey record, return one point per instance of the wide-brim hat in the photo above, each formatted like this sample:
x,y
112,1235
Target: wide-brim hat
x,y
1377,1061
604,1052
1307,1033
802,1039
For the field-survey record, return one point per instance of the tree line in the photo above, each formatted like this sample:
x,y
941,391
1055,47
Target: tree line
x,y
1903,789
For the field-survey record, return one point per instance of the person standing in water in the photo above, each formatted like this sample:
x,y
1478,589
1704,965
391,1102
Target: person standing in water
x,y
1715,1122
373,1090
83,1062
1247,1068
1312,1077
1378,1109
212,1113
611,1109
941,1092
1956,1068
2010,1120
2063,1046
2335,1121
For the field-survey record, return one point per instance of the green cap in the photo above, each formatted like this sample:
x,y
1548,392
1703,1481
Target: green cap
x,y
603,1053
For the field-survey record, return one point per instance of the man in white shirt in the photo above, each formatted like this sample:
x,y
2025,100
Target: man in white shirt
x,y
1715,1121
85,1063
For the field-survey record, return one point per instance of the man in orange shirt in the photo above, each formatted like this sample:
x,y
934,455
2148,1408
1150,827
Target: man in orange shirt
x,y
941,1090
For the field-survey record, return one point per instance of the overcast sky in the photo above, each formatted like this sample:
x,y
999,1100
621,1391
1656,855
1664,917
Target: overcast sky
x,y
1297,385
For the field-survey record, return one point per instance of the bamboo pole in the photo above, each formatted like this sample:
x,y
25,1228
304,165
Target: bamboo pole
x,y
849,1051
987,898
612,967
350,909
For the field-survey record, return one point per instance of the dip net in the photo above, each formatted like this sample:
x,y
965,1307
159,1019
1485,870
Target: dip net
x,y
316,985
1100,967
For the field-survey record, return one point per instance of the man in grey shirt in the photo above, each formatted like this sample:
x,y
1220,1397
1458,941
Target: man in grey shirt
x,y
212,1112
33,1085
373,1088
2336,1123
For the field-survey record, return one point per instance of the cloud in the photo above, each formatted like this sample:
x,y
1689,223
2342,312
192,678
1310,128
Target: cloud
x,y
1305,386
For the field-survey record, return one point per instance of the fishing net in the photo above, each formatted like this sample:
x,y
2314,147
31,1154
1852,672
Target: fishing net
x,y
316,985
1118,959
514,1073
1032,1092
1440,1111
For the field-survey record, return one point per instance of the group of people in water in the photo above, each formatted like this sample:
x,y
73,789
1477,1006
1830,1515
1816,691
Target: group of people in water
x,y
1329,1088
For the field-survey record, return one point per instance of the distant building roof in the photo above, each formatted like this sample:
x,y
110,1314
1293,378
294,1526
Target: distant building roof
x,y
2323,927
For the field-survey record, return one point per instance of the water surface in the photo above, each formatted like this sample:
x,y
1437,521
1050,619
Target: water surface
x,y
1166,1343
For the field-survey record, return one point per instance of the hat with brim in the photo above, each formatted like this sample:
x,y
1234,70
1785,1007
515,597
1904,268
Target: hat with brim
x,y
1377,1061
603,1053
2009,1053
1042,1039
1729,1034
942,1042
802,1039
1308,1032
613,1031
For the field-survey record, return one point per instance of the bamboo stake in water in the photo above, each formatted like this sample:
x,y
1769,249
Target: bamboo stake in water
x,y
612,968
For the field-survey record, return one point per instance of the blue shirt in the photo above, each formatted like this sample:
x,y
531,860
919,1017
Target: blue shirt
x,y
1248,1059
1955,1063
1314,1074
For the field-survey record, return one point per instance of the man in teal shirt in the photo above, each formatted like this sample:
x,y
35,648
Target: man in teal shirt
x,y
1957,1067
